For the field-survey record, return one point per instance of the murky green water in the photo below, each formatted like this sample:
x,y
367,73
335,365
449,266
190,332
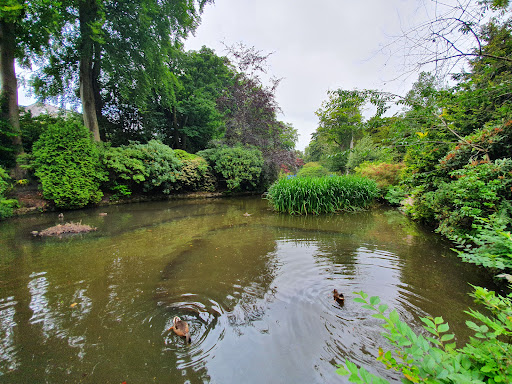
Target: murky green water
x,y
255,290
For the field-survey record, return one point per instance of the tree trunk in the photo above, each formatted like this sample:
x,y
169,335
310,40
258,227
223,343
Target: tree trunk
x,y
87,14
176,130
9,88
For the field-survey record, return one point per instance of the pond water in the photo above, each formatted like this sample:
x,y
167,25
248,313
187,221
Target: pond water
x,y
255,290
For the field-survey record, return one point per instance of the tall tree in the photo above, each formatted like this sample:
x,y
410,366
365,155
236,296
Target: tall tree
x,y
107,41
25,28
251,110
10,16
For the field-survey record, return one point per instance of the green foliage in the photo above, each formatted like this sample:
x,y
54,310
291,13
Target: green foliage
x,y
162,166
67,163
120,191
434,358
385,174
239,167
365,150
313,169
195,174
301,195
489,246
125,168
6,205
32,127
477,190
395,195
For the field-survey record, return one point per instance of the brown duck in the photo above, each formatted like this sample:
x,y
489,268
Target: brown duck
x,y
180,328
338,297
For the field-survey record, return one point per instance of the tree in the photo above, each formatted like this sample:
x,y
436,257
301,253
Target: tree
x,y
195,117
10,16
451,36
25,28
251,110
118,51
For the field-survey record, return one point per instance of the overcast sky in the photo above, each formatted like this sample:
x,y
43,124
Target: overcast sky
x,y
317,46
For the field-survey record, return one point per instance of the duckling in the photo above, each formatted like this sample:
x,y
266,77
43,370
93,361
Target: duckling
x,y
338,297
180,328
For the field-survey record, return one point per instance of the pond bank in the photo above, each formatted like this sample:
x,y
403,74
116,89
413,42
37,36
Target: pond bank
x,y
31,199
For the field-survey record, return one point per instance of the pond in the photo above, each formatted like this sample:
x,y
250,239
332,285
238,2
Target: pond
x,y
256,290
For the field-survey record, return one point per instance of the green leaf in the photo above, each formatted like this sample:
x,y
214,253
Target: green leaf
x,y
444,327
374,300
447,337
383,308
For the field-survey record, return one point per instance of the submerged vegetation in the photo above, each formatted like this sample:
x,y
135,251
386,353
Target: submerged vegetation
x,y
328,194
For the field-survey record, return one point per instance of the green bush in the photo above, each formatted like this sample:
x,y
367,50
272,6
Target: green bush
x,y
66,161
489,246
395,195
435,358
161,164
6,205
300,195
477,190
195,173
365,150
126,171
313,169
385,174
238,167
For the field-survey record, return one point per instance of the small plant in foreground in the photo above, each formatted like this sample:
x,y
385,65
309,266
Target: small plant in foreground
x,y
301,195
435,358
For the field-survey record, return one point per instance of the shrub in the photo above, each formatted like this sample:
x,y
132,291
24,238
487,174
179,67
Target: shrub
x,y
395,195
195,174
67,162
6,205
125,168
313,169
239,167
300,195
365,150
490,245
435,358
385,174
477,190
162,166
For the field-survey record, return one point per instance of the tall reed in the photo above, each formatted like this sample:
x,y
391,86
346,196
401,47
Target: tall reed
x,y
304,195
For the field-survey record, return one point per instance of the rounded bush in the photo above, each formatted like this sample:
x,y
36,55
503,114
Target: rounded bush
x,y
66,161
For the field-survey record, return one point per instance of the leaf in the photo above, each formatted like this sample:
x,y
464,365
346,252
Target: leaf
x,y
429,322
444,327
438,320
382,308
374,300
447,337
342,370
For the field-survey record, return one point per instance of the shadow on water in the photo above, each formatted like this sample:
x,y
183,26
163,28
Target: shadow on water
x,y
256,291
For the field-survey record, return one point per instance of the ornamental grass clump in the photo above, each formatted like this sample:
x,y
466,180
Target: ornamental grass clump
x,y
322,195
